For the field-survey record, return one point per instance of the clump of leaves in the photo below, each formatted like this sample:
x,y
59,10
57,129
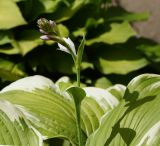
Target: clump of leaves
x,y
34,109
107,29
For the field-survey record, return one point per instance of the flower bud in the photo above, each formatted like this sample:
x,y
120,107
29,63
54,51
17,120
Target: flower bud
x,y
47,27
52,23
45,37
44,25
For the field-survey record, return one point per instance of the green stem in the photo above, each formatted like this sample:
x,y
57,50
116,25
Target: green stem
x,y
78,76
78,124
78,120
77,107
78,113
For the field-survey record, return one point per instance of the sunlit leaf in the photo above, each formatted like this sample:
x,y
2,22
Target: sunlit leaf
x,y
135,121
10,15
119,14
119,60
103,83
56,118
10,71
119,33
29,39
52,113
66,12
117,90
5,37
15,129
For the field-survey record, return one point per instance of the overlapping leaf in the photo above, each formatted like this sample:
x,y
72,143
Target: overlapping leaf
x,y
135,121
52,113
15,129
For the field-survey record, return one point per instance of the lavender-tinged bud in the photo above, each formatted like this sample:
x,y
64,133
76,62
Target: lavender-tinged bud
x,y
42,22
45,37
44,25
54,26
52,23
50,31
48,27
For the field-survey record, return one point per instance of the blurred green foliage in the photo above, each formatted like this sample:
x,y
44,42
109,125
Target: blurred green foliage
x,y
113,53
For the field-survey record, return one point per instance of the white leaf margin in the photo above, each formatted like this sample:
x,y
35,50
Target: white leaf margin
x,y
30,84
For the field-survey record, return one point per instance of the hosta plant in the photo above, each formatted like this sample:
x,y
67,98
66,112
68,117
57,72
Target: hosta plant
x,y
34,109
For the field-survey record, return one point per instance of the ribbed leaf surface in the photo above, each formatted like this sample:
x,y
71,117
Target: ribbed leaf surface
x,y
15,129
136,120
52,113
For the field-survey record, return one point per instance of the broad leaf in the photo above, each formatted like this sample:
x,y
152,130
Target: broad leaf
x,y
117,90
63,30
29,39
10,71
26,41
119,14
119,33
10,49
5,37
97,102
119,60
31,9
66,11
53,113
6,43
10,15
15,129
63,83
152,51
135,121
50,6
103,82
89,25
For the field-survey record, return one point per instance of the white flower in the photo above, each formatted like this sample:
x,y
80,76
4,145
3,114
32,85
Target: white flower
x,y
70,43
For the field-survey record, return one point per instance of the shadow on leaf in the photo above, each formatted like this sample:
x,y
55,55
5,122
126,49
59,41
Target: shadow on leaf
x,y
132,102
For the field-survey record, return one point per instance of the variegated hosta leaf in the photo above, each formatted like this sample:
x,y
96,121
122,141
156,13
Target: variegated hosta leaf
x,y
15,129
97,102
136,120
52,113
117,90
94,106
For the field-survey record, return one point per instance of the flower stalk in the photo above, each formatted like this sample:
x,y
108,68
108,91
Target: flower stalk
x,y
50,31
